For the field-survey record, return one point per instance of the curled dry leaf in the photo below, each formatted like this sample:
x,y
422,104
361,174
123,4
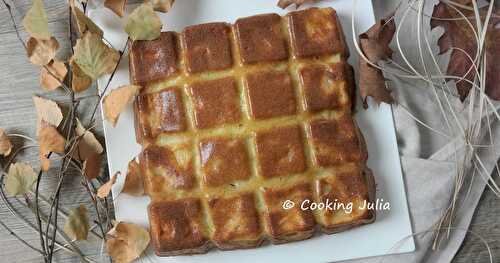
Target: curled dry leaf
x,y
161,5
286,3
77,225
104,190
47,111
5,144
49,140
459,36
88,144
83,23
127,242
133,182
79,81
41,52
116,101
19,179
374,44
93,56
36,22
92,166
52,75
143,23
117,6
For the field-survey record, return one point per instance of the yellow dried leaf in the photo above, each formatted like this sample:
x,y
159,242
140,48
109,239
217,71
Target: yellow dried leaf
x,y
5,144
127,242
143,23
133,182
117,6
285,3
49,140
104,190
47,111
36,22
19,179
116,101
79,81
52,78
88,144
93,56
161,5
41,52
92,166
77,225
83,23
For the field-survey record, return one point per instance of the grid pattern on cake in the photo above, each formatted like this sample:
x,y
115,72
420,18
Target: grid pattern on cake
x,y
247,116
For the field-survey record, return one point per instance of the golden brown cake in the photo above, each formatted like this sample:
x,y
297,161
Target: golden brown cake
x,y
236,119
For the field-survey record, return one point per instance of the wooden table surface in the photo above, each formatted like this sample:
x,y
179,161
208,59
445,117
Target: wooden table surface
x,y
19,81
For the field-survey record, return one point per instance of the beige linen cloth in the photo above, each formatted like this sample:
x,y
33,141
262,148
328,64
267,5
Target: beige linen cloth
x,y
428,159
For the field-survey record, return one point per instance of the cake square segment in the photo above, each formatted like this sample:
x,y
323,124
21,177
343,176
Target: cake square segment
x,y
216,102
280,151
177,226
335,142
155,60
207,47
224,161
261,39
315,32
235,220
293,223
271,94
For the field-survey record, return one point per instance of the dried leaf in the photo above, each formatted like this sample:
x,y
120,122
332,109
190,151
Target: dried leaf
x,y
5,144
286,3
88,145
133,182
116,101
127,242
52,78
77,225
92,166
374,44
459,36
49,140
117,6
47,111
20,179
41,52
161,5
104,190
94,57
83,23
143,23
80,81
36,22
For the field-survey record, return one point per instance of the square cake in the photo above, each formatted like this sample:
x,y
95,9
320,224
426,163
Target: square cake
x,y
239,121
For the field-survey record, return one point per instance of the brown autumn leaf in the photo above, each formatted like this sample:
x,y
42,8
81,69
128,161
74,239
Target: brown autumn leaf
x,y
117,6
83,23
5,144
47,111
459,36
161,5
50,140
374,44
20,179
116,101
52,75
92,166
133,182
105,189
80,81
127,242
35,21
41,52
88,145
77,225
286,3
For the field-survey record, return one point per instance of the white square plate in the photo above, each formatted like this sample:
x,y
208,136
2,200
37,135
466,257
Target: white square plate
x,y
376,123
